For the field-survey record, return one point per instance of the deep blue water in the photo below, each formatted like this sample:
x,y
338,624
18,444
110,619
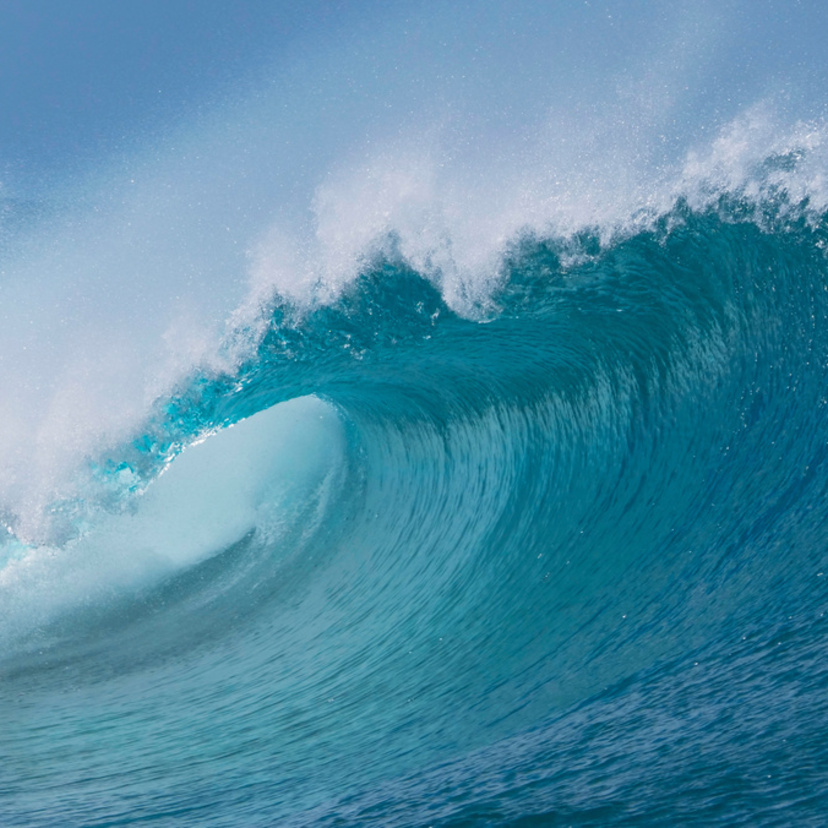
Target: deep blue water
x,y
559,561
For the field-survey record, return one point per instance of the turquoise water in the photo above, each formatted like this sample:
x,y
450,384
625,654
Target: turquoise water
x,y
559,564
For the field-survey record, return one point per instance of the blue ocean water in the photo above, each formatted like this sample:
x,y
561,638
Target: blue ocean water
x,y
495,498
561,564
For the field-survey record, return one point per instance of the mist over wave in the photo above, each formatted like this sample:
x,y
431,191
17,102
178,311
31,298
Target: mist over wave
x,y
429,431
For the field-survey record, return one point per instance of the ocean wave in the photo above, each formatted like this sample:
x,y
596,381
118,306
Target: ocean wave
x,y
614,471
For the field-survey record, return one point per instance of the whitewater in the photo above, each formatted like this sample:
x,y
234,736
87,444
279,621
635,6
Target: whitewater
x,y
431,430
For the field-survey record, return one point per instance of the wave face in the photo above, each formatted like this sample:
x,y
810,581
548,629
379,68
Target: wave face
x,y
484,504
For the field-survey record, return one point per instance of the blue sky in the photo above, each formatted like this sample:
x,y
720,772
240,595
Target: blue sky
x,y
85,79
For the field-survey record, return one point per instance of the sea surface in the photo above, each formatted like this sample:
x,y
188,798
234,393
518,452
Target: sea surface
x,y
492,500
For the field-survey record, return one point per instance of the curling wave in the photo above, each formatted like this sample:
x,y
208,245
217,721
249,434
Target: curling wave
x,y
558,554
